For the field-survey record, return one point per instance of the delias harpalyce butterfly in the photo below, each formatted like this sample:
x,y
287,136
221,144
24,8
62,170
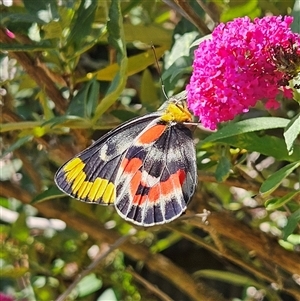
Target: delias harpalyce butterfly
x,y
146,167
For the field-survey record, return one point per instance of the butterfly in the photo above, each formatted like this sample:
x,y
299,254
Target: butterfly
x,y
146,167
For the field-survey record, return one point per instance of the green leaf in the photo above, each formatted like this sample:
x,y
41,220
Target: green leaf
x,y
13,272
276,203
148,90
68,121
276,178
180,49
247,126
296,14
84,102
165,243
248,8
51,193
82,24
291,133
267,145
291,225
17,145
19,229
180,67
88,285
223,169
117,39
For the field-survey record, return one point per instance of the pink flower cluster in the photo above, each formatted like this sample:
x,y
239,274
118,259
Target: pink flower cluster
x,y
234,69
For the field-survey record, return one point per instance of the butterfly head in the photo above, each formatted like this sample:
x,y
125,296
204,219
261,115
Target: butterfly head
x,y
176,111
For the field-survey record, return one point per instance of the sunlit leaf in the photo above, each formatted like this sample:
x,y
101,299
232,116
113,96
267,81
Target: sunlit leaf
x,y
88,285
274,180
291,132
276,203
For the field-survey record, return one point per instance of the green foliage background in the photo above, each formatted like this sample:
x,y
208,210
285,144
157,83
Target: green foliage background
x,y
72,70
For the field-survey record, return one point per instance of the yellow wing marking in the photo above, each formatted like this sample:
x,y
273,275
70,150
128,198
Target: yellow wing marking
x,y
100,189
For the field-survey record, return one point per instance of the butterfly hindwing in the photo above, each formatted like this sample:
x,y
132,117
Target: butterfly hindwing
x,y
157,175
91,175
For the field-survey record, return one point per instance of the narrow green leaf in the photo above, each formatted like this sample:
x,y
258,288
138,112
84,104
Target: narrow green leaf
x,y
84,102
273,181
247,126
23,47
82,24
291,225
51,193
296,14
276,203
165,243
227,277
17,145
92,97
291,133
223,169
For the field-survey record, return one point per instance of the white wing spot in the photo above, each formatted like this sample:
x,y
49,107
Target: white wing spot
x,y
103,153
149,180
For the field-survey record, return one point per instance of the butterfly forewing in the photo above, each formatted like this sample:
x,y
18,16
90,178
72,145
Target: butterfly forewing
x,y
91,175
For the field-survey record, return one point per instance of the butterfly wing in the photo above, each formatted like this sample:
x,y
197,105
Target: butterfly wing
x,y
91,175
157,175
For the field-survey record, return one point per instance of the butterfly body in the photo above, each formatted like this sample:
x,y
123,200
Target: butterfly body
x,y
146,167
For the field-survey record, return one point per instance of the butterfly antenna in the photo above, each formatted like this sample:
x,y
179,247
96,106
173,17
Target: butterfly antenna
x,y
159,71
